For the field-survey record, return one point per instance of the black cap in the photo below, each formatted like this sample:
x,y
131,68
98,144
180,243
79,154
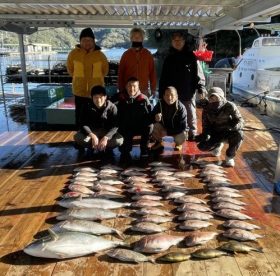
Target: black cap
x,y
98,90
87,33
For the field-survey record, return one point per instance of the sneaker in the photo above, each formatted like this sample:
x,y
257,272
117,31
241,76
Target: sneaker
x,y
229,162
178,147
158,146
217,151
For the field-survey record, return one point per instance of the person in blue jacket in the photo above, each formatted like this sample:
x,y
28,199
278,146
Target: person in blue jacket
x,y
170,119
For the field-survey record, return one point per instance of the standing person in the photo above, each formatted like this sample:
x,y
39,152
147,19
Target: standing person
x,y
221,122
137,62
180,70
98,126
87,66
170,117
134,111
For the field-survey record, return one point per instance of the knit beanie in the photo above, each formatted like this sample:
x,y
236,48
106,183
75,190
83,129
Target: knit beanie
x,y
87,33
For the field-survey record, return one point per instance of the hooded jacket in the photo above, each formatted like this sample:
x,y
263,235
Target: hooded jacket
x,y
138,64
104,118
133,112
87,69
226,118
180,70
174,117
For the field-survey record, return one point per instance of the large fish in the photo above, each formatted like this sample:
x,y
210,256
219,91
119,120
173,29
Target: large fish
x,y
193,207
197,238
183,175
194,224
227,205
152,211
68,245
85,169
207,253
239,247
232,214
88,214
225,194
154,218
147,227
228,199
194,215
126,255
189,199
92,203
240,224
241,235
85,226
156,243
80,189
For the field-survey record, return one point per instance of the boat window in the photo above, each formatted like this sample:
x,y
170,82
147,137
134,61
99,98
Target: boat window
x,y
252,77
240,75
257,43
271,41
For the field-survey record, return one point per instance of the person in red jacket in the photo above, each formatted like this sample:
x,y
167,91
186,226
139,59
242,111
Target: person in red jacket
x,y
137,62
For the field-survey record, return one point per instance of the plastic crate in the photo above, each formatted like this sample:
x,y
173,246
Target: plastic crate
x,y
43,91
66,87
37,114
42,101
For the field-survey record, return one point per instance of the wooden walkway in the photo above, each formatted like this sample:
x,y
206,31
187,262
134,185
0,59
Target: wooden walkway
x,y
36,165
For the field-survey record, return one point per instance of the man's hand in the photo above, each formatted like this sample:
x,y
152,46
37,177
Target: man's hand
x,y
103,143
202,93
94,140
158,117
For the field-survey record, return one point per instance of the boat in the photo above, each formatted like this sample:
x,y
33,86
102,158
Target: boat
x,y
257,75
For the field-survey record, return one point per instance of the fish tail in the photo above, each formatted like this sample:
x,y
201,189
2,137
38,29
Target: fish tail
x,y
258,249
119,234
152,260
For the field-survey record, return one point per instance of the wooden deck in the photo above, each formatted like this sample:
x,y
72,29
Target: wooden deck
x,y
36,165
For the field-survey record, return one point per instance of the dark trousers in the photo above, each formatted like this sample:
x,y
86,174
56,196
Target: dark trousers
x,y
233,138
128,135
80,105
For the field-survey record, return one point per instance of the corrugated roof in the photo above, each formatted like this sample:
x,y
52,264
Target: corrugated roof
x,y
206,15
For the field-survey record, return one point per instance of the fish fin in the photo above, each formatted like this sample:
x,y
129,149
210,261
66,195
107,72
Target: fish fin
x,y
53,235
119,234
152,260
258,249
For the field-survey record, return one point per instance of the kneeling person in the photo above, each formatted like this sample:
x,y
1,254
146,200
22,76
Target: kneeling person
x,y
170,117
98,123
221,122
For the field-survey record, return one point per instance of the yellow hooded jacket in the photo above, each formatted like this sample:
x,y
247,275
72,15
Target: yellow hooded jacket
x,y
87,69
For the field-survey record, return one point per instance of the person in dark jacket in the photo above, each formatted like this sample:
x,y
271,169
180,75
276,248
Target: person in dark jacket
x,y
98,123
221,122
170,117
134,118
180,70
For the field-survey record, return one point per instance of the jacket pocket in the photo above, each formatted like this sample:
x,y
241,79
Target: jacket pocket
x,y
97,70
78,70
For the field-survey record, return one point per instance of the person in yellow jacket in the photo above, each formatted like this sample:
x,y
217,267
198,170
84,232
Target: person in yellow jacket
x,y
87,66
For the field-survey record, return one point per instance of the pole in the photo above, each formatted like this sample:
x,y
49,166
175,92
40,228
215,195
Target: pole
x,y
239,39
24,77
277,169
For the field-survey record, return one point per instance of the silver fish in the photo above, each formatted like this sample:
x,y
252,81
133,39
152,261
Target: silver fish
x,y
194,215
111,167
163,173
231,214
240,224
172,188
173,195
160,164
137,179
193,206
241,235
154,218
133,173
88,214
152,211
183,175
105,187
74,195
110,182
218,184
225,194
68,245
174,257
163,168
156,243
189,199
194,224
215,179
108,195
92,203
145,203
126,255
147,197
196,238
83,183
108,171
223,189
139,185
85,174
147,227
164,178
227,205
228,199
80,188
212,173
170,183
85,226
85,169
84,179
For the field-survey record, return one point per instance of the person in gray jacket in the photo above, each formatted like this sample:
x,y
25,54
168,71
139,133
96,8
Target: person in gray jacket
x,y
221,122
98,123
